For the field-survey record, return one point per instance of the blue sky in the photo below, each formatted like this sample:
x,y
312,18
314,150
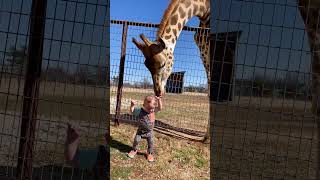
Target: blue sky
x,y
273,40
140,10
75,33
186,53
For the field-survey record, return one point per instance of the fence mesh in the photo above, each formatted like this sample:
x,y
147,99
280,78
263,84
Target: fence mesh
x,y
186,104
72,83
268,130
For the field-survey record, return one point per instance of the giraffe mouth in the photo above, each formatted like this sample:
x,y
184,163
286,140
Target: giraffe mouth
x,y
159,92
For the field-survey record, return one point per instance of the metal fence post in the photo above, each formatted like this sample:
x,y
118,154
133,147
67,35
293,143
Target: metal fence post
x,y
31,89
121,71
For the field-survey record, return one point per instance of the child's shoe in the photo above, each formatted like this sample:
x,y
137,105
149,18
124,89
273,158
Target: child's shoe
x,y
150,157
132,153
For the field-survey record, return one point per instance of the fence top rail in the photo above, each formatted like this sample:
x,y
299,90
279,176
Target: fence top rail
x,y
132,23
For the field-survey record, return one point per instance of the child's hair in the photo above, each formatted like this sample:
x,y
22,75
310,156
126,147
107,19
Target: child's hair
x,y
149,97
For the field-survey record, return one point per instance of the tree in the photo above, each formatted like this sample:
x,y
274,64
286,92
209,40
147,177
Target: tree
x,y
145,83
82,75
115,80
17,57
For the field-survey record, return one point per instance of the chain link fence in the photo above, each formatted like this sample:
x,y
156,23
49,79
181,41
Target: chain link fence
x,y
186,104
268,130
70,84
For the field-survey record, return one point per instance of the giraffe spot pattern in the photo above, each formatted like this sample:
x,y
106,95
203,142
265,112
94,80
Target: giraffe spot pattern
x,y
175,32
179,26
202,8
195,9
182,13
187,3
189,13
175,10
174,19
168,30
167,37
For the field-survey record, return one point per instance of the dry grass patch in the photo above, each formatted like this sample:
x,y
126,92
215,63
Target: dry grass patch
x,y
175,158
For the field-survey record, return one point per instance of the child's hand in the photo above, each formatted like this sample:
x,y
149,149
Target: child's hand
x,y
134,102
159,103
72,134
158,98
71,146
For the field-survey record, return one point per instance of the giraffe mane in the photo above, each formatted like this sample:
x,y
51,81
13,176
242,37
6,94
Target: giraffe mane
x,y
166,17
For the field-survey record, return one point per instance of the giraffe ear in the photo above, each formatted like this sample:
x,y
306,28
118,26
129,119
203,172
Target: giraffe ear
x,y
162,43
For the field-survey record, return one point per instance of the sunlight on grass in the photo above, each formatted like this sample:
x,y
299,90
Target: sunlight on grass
x,y
120,173
174,158
190,156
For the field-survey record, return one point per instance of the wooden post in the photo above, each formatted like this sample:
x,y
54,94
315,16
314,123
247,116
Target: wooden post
x,y
121,71
31,89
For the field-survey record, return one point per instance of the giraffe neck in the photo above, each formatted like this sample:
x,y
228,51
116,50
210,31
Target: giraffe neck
x,y
310,14
177,15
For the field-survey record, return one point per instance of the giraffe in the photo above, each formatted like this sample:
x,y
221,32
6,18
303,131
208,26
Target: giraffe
x,y
158,54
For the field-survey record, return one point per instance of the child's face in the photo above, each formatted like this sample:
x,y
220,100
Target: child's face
x,y
149,103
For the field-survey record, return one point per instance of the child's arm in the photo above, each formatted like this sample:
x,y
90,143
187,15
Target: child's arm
x,y
71,146
133,104
133,110
75,157
159,108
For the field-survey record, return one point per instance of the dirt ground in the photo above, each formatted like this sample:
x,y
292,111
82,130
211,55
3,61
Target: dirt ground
x,y
174,158
254,138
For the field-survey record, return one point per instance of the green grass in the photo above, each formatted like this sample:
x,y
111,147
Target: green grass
x,y
174,158
74,108
120,173
183,156
182,110
190,156
200,162
268,139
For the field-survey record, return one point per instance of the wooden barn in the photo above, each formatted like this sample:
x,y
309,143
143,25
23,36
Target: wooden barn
x,y
175,82
222,55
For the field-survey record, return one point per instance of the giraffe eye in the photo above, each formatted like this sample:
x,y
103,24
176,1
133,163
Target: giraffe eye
x,y
147,63
162,66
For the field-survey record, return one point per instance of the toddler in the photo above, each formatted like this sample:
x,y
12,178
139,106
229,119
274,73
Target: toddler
x,y
146,119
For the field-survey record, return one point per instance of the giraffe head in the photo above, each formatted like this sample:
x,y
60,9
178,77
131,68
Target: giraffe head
x,y
158,60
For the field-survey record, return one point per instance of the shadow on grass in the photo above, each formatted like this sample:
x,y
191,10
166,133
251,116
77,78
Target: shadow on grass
x,y
164,128
132,120
120,146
